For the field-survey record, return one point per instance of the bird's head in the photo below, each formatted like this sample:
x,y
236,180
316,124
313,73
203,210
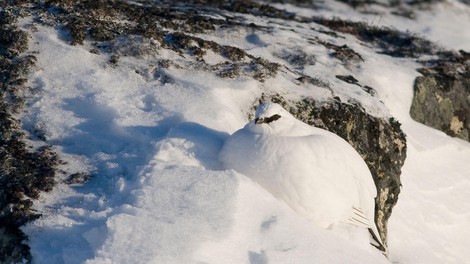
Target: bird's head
x,y
267,113
267,120
273,119
270,118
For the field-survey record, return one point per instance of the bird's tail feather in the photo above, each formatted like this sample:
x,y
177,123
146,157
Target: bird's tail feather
x,y
359,218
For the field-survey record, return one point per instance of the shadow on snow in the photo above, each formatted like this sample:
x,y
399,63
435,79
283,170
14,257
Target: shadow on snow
x,y
118,155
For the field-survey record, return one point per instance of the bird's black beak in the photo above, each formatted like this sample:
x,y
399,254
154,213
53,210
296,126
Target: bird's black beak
x,y
266,120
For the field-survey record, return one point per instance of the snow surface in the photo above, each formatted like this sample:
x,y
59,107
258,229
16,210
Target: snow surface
x,y
158,193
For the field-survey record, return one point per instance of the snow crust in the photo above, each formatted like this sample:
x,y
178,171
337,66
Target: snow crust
x,y
158,193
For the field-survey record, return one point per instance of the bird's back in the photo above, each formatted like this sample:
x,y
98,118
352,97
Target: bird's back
x,y
318,175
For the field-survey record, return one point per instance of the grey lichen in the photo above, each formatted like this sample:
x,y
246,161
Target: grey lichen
x,y
441,95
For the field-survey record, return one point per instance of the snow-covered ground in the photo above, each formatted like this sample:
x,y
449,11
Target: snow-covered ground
x,y
158,193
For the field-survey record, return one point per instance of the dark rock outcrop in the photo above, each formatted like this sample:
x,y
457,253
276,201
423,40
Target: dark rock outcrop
x,y
24,172
442,96
386,40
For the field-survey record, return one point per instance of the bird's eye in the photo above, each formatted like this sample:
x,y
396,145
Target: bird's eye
x,y
267,120
273,118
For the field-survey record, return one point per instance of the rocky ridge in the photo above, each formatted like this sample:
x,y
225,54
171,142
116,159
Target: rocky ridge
x,y
24,171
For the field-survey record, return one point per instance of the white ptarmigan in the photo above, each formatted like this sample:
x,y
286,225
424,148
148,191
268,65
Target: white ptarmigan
x,y
317,173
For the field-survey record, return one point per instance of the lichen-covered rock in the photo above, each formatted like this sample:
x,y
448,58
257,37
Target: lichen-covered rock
x,y
442,96
379,141
24,172
387,40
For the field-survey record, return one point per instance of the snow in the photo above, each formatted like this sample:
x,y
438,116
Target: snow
x,y
158,193
435,187
444,23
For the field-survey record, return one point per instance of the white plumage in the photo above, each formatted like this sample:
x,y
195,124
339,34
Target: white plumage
x,y
317,173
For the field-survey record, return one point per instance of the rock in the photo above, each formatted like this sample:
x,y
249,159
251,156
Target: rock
x,y
345,54
77,178
387,40
11,239
24,172
442,96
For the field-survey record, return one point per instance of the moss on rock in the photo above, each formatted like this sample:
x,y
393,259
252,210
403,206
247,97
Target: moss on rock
x,y
441,95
